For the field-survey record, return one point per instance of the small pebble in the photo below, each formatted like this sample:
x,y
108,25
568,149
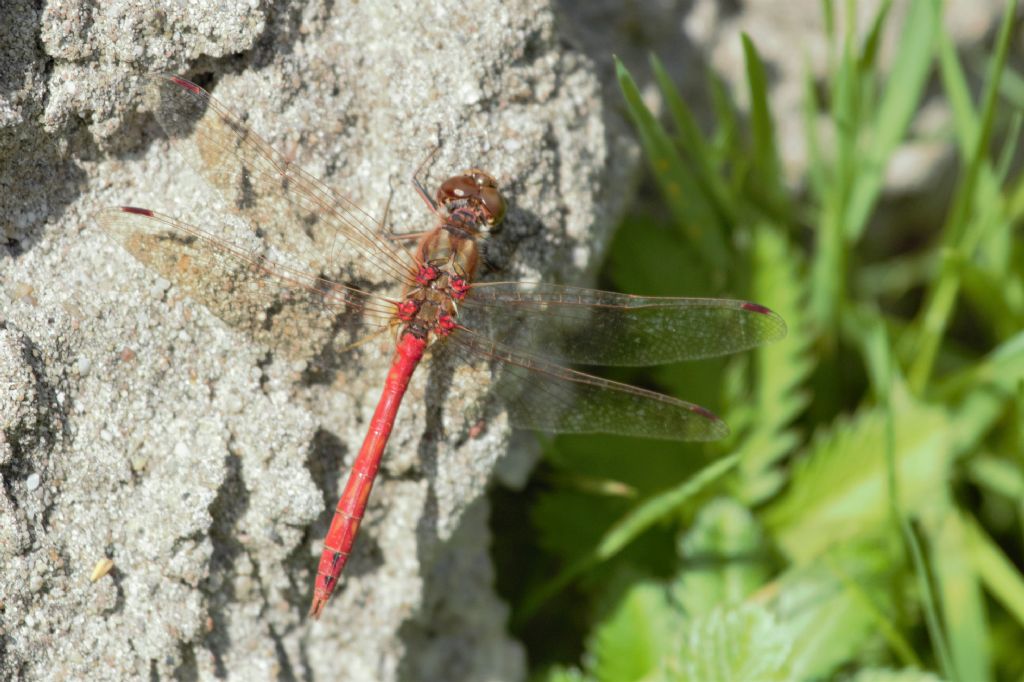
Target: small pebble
x,y
32,482
101,568
84,365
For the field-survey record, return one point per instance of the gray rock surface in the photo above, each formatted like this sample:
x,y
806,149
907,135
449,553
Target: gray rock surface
x,y
136,427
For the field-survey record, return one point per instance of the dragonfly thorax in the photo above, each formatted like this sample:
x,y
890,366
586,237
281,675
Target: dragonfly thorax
x,y
430,306
448,255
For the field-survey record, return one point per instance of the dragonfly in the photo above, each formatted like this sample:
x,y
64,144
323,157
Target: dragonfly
x,y
322,272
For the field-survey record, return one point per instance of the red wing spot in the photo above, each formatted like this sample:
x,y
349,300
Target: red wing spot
x,y
755,308
139,211
704,412
186,84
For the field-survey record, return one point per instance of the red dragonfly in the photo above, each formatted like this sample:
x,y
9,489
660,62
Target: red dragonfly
x,y
296,289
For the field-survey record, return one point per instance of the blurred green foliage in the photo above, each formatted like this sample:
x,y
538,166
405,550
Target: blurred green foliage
x,y
866,517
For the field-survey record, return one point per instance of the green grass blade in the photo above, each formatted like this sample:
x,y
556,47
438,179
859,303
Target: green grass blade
x,y
939,302
829,265
678,184
696,149
726,139
869,53
1015,202
767,169
961,600
868,330
818,172
901,99
629,528
958,94
998,573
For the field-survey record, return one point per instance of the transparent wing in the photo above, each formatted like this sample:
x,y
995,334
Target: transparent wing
x,y
544,396
291,210
603,328
281,308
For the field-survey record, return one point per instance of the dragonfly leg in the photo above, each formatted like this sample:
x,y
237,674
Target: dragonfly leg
x,y
418,186
393,235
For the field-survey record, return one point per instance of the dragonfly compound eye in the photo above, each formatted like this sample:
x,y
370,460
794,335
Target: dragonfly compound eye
x,y
494,204
478,191
456,188
489,195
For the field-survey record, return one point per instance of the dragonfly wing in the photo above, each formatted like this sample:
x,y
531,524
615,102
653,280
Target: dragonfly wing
x,y
593,327
293,211
283,309
544,396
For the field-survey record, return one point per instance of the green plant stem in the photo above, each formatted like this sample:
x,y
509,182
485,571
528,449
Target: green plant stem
x,y
627,529
939,305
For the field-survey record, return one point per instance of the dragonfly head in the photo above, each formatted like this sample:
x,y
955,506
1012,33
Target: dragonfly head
x,y
474,192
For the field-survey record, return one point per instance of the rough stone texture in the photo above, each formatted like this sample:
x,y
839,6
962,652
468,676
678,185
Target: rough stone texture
x,y
135,426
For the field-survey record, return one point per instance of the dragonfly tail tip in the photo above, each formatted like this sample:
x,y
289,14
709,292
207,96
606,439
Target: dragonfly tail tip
x,y
317,607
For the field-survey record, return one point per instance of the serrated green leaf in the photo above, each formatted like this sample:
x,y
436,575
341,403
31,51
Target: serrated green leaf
x,y
782,369
834,606
720,558
839,490
634,641
561,674
886,675
737,644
